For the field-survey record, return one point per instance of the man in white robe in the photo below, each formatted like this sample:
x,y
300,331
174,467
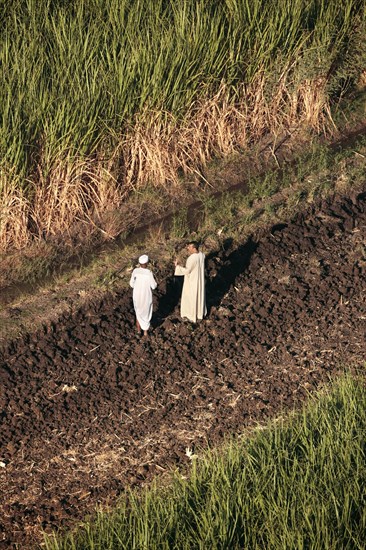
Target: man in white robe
x,y
143,283
193,300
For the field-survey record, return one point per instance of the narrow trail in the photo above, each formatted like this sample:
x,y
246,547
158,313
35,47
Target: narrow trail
x,y
88,409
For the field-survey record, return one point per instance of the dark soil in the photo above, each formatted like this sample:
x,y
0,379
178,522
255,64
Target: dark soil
x,y
88,409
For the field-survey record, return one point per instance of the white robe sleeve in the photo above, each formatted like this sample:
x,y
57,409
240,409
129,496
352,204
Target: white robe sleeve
x,y
153,283
133,278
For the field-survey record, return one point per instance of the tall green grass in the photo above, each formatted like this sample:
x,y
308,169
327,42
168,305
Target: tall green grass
x,y
100,97
75,76
298,483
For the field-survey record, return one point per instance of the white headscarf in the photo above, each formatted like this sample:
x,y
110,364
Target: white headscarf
x,y
143,259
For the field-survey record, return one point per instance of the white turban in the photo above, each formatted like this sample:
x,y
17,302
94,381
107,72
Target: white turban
x,y
143,259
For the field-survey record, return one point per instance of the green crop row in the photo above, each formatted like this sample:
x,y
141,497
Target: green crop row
x,y
297,483
75,76
100,97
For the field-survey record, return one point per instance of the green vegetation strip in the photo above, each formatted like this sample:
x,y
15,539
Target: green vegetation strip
x,y
297,483
101,99
76,76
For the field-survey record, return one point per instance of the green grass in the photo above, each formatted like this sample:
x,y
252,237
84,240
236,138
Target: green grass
x,y
280,192
76,76
297,483
103,98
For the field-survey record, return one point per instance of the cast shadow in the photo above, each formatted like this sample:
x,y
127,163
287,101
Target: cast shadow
x,y
167,299
227,269
232,265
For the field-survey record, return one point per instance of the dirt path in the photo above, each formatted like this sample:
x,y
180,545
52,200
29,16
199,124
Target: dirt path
x,y
88,409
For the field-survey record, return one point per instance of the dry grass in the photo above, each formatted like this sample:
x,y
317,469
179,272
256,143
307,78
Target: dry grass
x,y
14,233
156,154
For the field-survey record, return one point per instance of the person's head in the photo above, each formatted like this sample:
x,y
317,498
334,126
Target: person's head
x,y
143,260
192,247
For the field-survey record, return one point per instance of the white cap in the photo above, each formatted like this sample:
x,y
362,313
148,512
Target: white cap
x,y
143,259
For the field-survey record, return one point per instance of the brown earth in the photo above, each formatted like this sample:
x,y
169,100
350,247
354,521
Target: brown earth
x,y
88,409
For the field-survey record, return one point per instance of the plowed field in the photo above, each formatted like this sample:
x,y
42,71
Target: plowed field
x,y
88,409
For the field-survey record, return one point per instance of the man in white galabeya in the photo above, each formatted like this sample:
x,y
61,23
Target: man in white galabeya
x,y
143,283
193,301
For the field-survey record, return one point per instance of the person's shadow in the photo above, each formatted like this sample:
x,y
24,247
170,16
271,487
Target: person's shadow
x,y
226,266
222,268
167,299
